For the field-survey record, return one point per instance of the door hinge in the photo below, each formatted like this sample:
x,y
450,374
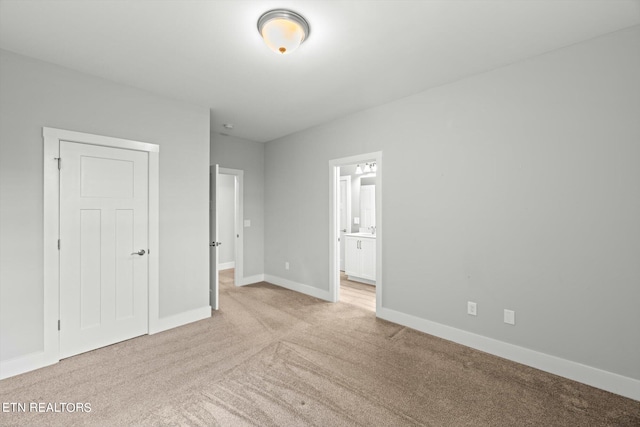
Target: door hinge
x,y
58,324
59,162
58,244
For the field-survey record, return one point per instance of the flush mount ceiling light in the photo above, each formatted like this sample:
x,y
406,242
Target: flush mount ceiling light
x,y
283,30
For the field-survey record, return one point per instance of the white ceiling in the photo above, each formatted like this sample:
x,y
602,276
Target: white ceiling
x,y
359,53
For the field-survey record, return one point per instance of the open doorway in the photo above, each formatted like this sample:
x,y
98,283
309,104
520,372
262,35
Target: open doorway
x,y
226,230
355,230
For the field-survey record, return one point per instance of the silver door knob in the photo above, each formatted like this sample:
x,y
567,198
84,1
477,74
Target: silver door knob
x,y
140,252
344,231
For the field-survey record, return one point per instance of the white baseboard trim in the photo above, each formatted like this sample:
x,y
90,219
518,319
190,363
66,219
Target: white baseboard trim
x,y
595,377
361,280
298,287
170,322
226,265
251,280
37,360
22,364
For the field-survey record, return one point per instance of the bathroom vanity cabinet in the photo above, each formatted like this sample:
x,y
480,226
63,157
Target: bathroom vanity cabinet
x,y
360,257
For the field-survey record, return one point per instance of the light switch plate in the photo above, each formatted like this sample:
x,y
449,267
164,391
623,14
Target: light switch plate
x,y
472,308
247,223
510,317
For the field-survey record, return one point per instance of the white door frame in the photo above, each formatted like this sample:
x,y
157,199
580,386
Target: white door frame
x,y
52,138
334,212
238,222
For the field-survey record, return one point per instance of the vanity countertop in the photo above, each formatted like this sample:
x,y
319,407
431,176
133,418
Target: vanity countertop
x,y
367,235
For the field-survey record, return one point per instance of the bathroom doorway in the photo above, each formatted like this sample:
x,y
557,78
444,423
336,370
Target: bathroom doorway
x,y
355,231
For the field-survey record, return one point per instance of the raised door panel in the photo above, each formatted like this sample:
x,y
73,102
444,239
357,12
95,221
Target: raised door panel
x,y
352,256
368,254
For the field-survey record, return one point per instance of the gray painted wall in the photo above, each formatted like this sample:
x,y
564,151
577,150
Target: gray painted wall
x,y
36,94
237,153
529,199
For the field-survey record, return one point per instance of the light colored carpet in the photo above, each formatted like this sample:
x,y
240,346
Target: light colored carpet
x,y
272,357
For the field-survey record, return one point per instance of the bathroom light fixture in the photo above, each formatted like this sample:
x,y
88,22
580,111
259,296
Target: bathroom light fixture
x,y
367,168
358,170
374,167
283,30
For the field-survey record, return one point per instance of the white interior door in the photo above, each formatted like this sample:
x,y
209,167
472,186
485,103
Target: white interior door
x,y
103,246
345,214
214,173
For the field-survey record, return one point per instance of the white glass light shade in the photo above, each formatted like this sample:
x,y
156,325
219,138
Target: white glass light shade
x,y
282,36
283,30
358,170
367,168
374,167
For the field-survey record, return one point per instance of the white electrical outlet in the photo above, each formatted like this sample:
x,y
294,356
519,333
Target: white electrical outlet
x,y
509,317
286,265
472,308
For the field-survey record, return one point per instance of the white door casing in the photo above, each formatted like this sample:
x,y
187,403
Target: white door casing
x,y
50,352
334,218
104,246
